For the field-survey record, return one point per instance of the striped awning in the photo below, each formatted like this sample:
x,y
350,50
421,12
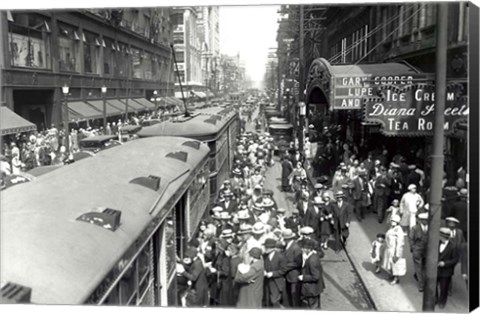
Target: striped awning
x,y
11,123
80,109
111,110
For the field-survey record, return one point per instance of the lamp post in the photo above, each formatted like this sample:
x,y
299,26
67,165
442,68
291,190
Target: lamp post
x,y
104,94
301,135
155,93
65,91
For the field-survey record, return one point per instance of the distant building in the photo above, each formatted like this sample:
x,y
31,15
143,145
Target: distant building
x,y
126,50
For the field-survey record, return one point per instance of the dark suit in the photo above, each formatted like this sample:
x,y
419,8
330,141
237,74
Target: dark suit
x,y
275,285
343,216
359,195
293,223
444,274
231,207
382,193
460,211
418,246
312,284
293,267
196,274
312,219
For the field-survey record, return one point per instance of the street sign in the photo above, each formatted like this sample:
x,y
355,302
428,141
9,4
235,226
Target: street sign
x,y
294,67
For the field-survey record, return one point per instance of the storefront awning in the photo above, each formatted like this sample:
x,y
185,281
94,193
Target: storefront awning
x,y
145,103
134,105
111,110
11,123
84,110
117,104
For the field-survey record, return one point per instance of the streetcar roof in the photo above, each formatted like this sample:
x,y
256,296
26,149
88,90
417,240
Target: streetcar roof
x,y
63,260
205,124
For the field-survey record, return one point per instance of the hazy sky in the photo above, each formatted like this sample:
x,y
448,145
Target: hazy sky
x,y
250,30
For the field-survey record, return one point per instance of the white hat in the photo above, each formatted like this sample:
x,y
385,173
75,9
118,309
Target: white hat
x,y
423,216
411,187
452,219
306,230
258,228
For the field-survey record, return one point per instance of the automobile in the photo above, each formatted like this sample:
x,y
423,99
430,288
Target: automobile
x,y
129,132
282,136
14,179
99,142
150,122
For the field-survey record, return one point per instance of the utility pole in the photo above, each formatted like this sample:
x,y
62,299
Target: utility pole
x,y
430,287
301,81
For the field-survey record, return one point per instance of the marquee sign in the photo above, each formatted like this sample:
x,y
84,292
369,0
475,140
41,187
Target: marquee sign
x,y
349,90
410,110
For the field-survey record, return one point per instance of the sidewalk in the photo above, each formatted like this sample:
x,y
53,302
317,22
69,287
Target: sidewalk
x,y
404,296
343,291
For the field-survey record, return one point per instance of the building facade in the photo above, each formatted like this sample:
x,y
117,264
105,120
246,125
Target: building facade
x,y
125,50
400,36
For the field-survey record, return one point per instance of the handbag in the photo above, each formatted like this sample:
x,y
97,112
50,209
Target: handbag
x,y
400,267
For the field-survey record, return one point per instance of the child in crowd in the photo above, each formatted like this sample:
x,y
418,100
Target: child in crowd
x,y
376,251
393,210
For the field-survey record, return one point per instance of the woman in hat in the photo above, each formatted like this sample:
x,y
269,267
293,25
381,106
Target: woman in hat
x,y
327,223
393,261
297,176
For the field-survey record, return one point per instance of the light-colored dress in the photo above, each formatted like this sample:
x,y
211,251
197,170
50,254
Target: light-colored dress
x,y
394,242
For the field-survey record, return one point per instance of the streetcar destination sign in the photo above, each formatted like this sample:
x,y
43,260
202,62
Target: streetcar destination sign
x,y
410,111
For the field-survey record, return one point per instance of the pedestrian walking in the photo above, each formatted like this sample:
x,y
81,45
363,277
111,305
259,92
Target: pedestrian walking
x,y
410,203
275,266
418,238
381,193
293,256
343,213
311,277
447,259
196,274
393,261
376,251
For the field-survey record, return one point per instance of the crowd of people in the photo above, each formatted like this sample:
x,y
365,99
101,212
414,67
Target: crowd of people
x,y
396,193
24,151
250,253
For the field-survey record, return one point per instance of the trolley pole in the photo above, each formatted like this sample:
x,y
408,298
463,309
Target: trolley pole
x,y
430,287
301,82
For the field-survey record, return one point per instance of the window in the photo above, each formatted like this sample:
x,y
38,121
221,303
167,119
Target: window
x,y
180,56
137,63
68,41
147,66
90,52
108,55
29,39
123,61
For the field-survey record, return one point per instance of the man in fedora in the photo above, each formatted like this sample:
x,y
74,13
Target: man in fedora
x,y
381,193
312,217
460,211
360,193
342,211
275,264
418,238
447,259
250,277
311,276
293,256
456,238
229,205
245,234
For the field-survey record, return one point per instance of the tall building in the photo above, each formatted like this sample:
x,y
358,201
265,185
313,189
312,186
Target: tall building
x,y
197,46
125,50
209,30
